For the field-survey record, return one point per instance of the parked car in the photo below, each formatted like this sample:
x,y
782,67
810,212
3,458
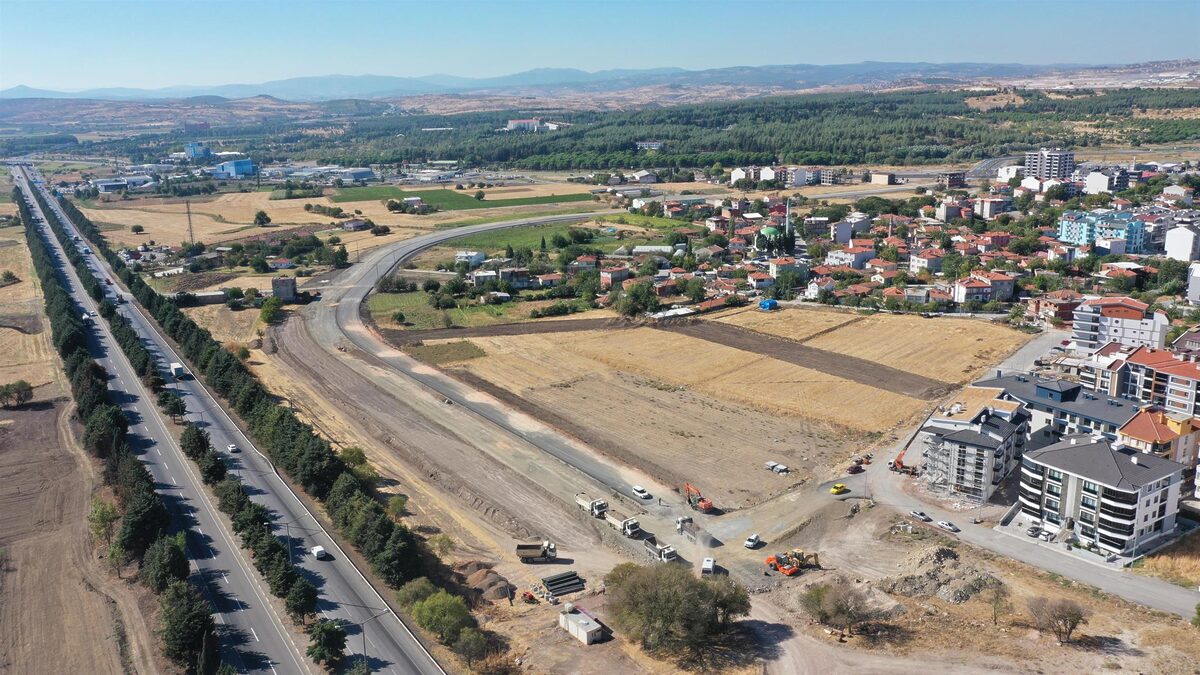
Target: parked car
x,y
838,489
753,541
920,515
947,525
855,468
1033,531
640,492
1046,536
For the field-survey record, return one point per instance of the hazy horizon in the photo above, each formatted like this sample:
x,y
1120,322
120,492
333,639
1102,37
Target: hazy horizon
x,y
225,42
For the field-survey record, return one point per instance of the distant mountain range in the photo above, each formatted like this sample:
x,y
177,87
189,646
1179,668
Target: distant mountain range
x,y
790,77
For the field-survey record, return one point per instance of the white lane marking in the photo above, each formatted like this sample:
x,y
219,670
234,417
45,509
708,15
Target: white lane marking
x,y
172,479
224,577
254,634
221,618
199,530
273,670
157,450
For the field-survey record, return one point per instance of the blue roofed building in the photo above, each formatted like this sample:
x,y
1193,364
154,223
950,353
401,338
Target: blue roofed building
x,y
1083,228
196,150
234,168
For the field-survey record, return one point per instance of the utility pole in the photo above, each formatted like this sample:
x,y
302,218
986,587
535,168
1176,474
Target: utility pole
x,y
191,236
362,627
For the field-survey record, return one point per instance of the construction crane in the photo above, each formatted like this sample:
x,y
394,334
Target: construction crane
x,y
696,500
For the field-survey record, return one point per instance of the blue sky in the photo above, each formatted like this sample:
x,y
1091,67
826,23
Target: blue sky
x,y
158,43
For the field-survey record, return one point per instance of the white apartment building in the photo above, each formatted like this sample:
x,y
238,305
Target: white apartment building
x,y
1049,163
1126,321
1120,500
1193,287
1183,243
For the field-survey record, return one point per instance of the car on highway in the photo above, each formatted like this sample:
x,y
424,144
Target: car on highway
x,y
1033,531
838,489
319,552
640,492
920,515
947,525
233,448
752,541
92,313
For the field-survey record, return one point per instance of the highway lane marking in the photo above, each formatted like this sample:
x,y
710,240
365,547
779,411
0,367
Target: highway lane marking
x,y
157,450
254,634
221,618
172,479
224,577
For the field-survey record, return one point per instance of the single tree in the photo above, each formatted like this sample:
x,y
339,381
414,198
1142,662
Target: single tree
x,y
998,597
261,219
471,645
301,600
186,618
102,518
164,563
328,642
1061,616
398,505
9,277
137,229
479,195
399,318
415,591
194,441
443,614
212,467
117,557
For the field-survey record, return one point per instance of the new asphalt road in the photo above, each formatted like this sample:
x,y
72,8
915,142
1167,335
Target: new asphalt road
x,y
389,646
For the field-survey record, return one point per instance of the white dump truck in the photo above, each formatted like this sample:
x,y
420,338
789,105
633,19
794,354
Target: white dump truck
x,y
594,507
627,526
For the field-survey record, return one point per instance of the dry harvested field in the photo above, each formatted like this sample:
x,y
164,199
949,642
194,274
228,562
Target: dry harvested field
x,y
993,101
951,350
25,350
684,408
226,325
230,217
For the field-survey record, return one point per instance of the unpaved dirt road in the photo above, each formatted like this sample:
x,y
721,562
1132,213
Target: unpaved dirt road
x,y
852,368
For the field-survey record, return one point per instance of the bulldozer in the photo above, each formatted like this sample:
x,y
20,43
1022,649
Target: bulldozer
x,y
695,499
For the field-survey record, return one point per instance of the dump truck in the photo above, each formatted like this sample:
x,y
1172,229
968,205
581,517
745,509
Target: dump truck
x,y
696,500
627,526
542,551
594,507
177,370
659,552
693,532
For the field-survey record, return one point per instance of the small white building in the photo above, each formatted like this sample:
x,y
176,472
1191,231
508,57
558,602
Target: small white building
x,y
1183,243
472,258
580,625
1193,288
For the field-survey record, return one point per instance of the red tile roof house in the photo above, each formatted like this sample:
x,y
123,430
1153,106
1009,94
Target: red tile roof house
x,y
971,288
760,280
666,289
549,280
611,276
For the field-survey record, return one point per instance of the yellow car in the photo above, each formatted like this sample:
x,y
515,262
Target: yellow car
x,y
838,489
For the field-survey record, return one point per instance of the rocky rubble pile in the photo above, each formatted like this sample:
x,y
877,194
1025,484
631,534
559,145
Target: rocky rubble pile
x,y
938,572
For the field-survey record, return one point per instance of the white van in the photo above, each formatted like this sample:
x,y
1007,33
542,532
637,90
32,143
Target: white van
x,y
319,552
708,566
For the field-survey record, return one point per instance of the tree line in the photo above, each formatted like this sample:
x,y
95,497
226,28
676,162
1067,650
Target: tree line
x,y
292,445
135,526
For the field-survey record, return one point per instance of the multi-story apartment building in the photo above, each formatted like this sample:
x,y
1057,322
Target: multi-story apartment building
x,y
1119,499
1050,163
1063,407
1099,321
1161,377
974,442
1084,228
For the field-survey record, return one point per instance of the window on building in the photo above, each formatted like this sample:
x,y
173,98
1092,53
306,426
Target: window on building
x,y
1090,487
1088,502
1055,474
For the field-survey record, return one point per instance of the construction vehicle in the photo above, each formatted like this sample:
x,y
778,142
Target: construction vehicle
x,y
659,552
594,507
793,562
693,532
899,466
537,552
529,598
628,527
696,500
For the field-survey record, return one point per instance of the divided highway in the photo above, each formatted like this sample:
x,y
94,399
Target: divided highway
x,y
345,593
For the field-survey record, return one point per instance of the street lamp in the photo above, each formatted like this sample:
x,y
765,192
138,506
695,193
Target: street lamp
x,y
362,627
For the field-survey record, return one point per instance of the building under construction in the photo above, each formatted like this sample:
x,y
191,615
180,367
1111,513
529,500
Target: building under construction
x,y
971,443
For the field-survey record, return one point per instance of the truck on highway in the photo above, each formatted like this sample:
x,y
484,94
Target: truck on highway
x,y
659,552
594,507
627,526
178,371
538,551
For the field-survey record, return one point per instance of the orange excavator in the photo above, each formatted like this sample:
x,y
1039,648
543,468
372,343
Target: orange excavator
x,y
793,562
695,499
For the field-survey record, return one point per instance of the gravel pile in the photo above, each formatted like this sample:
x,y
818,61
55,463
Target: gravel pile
x,y
938,572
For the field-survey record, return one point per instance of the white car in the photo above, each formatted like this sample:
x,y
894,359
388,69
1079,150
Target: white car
x,y
319,552
640,492
948,526
753,541
233,448
920,515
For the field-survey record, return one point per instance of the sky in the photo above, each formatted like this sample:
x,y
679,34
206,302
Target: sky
x,y
158,43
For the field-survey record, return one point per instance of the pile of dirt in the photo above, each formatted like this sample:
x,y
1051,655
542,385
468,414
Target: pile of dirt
x,y
938,572
483,580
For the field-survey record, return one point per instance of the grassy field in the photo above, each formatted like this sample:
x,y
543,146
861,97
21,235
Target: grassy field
x,y
483,220
1178,563
445,352
529,236
449,200
418,315
652,222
